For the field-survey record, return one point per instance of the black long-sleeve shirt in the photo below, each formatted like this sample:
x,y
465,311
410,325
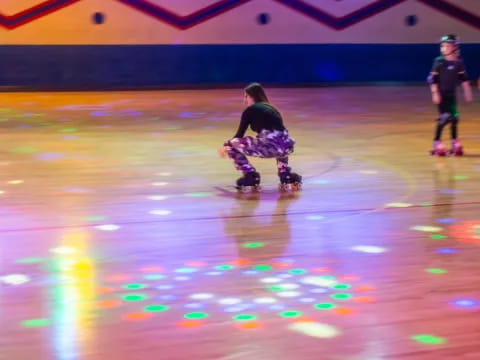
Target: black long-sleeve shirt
x,y
260,116
450,73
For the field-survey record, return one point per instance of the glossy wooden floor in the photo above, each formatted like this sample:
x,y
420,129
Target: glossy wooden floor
x,y
122,237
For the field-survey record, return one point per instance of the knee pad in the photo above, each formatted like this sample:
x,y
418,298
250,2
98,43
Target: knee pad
x,y
444,118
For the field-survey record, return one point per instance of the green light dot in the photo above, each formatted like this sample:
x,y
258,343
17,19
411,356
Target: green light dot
x,y
134,286
341,296
22,150
35,323
95,218
30,260
156,308
134,297
438,236
198,194
297,271
68,130
224,267
429,339
290,314
275,288
327,277
253,245
324,306
154,276
195,315
426,204
460,177
341,286
244,317
436,271
190,270
262,267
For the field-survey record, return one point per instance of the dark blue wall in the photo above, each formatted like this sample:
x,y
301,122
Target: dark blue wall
x,y
98,66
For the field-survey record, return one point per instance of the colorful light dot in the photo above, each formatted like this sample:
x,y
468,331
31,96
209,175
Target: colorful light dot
x,y
324,306
201,296
224,267
159,183
188,324
137,316
253,245
160,212
153,277
426,228
229,301
198,194
15,182
290,314
244,317
341,286
262,267
31,323
182,278
398,205
341,296
107,227
134,286
314,329
436,271
109,304
194,306
446,251
195,315
429,339
446,220
289,293
95,218
270,280
265,300
186,270
156,308
307,300
165,287
134,297
369,249
158,197
30,260
297,271
15,279
437,236
466,303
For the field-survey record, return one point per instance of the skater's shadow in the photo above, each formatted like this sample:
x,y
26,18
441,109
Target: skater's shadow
x,y
260,236
444,183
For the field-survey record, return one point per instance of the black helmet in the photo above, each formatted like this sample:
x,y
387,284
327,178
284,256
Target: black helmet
x,y
450,38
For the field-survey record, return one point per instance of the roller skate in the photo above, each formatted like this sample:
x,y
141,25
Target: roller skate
x,y
438,149
250,181
456,149
289,181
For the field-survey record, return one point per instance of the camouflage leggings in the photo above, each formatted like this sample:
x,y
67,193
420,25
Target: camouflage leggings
x,y
267,144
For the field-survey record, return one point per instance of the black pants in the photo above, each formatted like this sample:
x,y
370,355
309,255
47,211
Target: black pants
x,y
448,115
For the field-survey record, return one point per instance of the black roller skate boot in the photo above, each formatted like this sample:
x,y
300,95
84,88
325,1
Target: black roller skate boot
x,y
289,181
250,181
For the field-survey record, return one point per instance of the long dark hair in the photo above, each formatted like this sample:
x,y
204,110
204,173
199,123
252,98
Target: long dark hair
x,y
256,92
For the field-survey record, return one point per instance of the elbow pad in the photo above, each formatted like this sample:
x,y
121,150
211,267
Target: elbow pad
x,y
463,76
433,78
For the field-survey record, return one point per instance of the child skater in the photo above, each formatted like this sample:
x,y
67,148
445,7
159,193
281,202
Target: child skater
x,y
447,72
